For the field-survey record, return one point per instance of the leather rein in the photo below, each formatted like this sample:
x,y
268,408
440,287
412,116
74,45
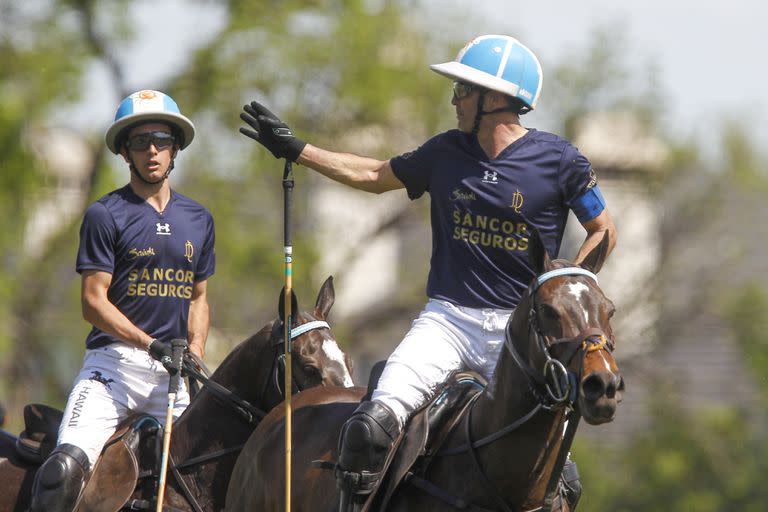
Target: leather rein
x,y
196,370
554,388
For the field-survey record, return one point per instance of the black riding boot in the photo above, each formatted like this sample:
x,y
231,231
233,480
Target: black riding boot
x,y
571,483
366,439
60,480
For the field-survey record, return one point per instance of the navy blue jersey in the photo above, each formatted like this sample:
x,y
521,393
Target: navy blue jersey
x,y
481,210
154,258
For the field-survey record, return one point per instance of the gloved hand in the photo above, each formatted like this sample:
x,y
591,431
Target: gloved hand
x,y
162,352
271,132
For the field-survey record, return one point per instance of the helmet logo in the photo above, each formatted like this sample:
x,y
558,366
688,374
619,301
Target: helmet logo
x,y
147,95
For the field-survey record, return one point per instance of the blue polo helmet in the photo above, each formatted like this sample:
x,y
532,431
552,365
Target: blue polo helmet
x,y
148,106
498,63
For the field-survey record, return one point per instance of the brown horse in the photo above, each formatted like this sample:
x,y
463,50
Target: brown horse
x,y
208,436
509,442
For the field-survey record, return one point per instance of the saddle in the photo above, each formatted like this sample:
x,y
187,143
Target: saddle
x,y
424,435
128,456
41,429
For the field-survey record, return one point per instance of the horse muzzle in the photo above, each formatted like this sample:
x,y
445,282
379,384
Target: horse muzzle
x,y
600,394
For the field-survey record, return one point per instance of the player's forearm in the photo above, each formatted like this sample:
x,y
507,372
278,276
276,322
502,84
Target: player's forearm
x,y
198,325
596,230
360,172
105,316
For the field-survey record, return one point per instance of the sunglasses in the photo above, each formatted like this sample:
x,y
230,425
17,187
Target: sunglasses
x,y
141,142
461,90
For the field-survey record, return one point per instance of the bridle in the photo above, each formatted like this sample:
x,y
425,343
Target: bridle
x,y
276,340
251,414
553,386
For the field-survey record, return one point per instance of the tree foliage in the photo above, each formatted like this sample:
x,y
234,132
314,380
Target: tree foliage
x,y
350,75
713,462
326,67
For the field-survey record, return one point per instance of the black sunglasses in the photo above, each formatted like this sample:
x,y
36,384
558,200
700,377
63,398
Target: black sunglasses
x,y
141,142
462,89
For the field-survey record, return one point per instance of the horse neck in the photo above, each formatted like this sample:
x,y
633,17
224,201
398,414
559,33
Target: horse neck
x,y
507,398
210,423
528,450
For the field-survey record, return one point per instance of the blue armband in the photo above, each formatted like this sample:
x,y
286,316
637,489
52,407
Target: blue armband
x,y
588,205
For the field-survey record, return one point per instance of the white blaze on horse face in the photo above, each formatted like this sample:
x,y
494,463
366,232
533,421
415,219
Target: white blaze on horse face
x,y
606,363
333,352
577,290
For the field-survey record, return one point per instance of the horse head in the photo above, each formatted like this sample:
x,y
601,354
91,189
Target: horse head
x,y
255,369
316,356
562,334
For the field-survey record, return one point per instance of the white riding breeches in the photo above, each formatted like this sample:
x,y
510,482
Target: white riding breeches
x,y
114,382
444,338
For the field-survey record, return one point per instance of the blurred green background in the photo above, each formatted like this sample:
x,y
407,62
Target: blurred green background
x,y
353,76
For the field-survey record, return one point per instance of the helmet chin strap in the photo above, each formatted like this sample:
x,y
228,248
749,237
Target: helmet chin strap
x,y
480,112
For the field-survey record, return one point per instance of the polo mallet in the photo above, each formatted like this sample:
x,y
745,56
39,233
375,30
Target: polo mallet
x,y
287,324
178,347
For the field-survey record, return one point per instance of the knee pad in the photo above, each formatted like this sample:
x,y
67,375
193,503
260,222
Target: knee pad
x,y
571,484
59,481
367,436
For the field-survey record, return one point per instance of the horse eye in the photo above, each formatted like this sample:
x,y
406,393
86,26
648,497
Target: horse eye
x,y
311,371
549,311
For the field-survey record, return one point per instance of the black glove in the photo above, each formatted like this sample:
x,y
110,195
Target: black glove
x,y
162,352
271,132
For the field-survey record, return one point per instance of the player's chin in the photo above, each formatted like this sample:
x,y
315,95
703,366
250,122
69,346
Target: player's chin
x,y
154,173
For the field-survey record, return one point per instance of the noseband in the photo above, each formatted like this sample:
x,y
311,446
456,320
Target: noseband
x,y
560,385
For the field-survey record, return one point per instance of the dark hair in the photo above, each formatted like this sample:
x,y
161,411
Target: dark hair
x,y
122,137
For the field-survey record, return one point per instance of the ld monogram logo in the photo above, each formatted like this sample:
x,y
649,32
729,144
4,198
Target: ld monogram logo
x,y
517,201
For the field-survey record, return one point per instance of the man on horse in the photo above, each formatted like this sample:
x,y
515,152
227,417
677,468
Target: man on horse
x,y
146,253
491,181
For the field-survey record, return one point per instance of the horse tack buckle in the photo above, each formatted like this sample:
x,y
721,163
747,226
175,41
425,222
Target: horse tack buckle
x,y
559,385
591,345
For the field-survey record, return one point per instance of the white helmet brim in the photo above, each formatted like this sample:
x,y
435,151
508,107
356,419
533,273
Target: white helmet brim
x,y
497,63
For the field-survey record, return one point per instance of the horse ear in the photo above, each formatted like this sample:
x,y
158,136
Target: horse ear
x,y
538,253
596,257
281,305
325,298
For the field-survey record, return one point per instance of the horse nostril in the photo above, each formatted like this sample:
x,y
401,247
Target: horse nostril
x,y
593,387
620,388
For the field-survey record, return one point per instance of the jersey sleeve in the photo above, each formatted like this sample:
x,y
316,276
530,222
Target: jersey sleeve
x,y
414,169
97,240
206,266
578,185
